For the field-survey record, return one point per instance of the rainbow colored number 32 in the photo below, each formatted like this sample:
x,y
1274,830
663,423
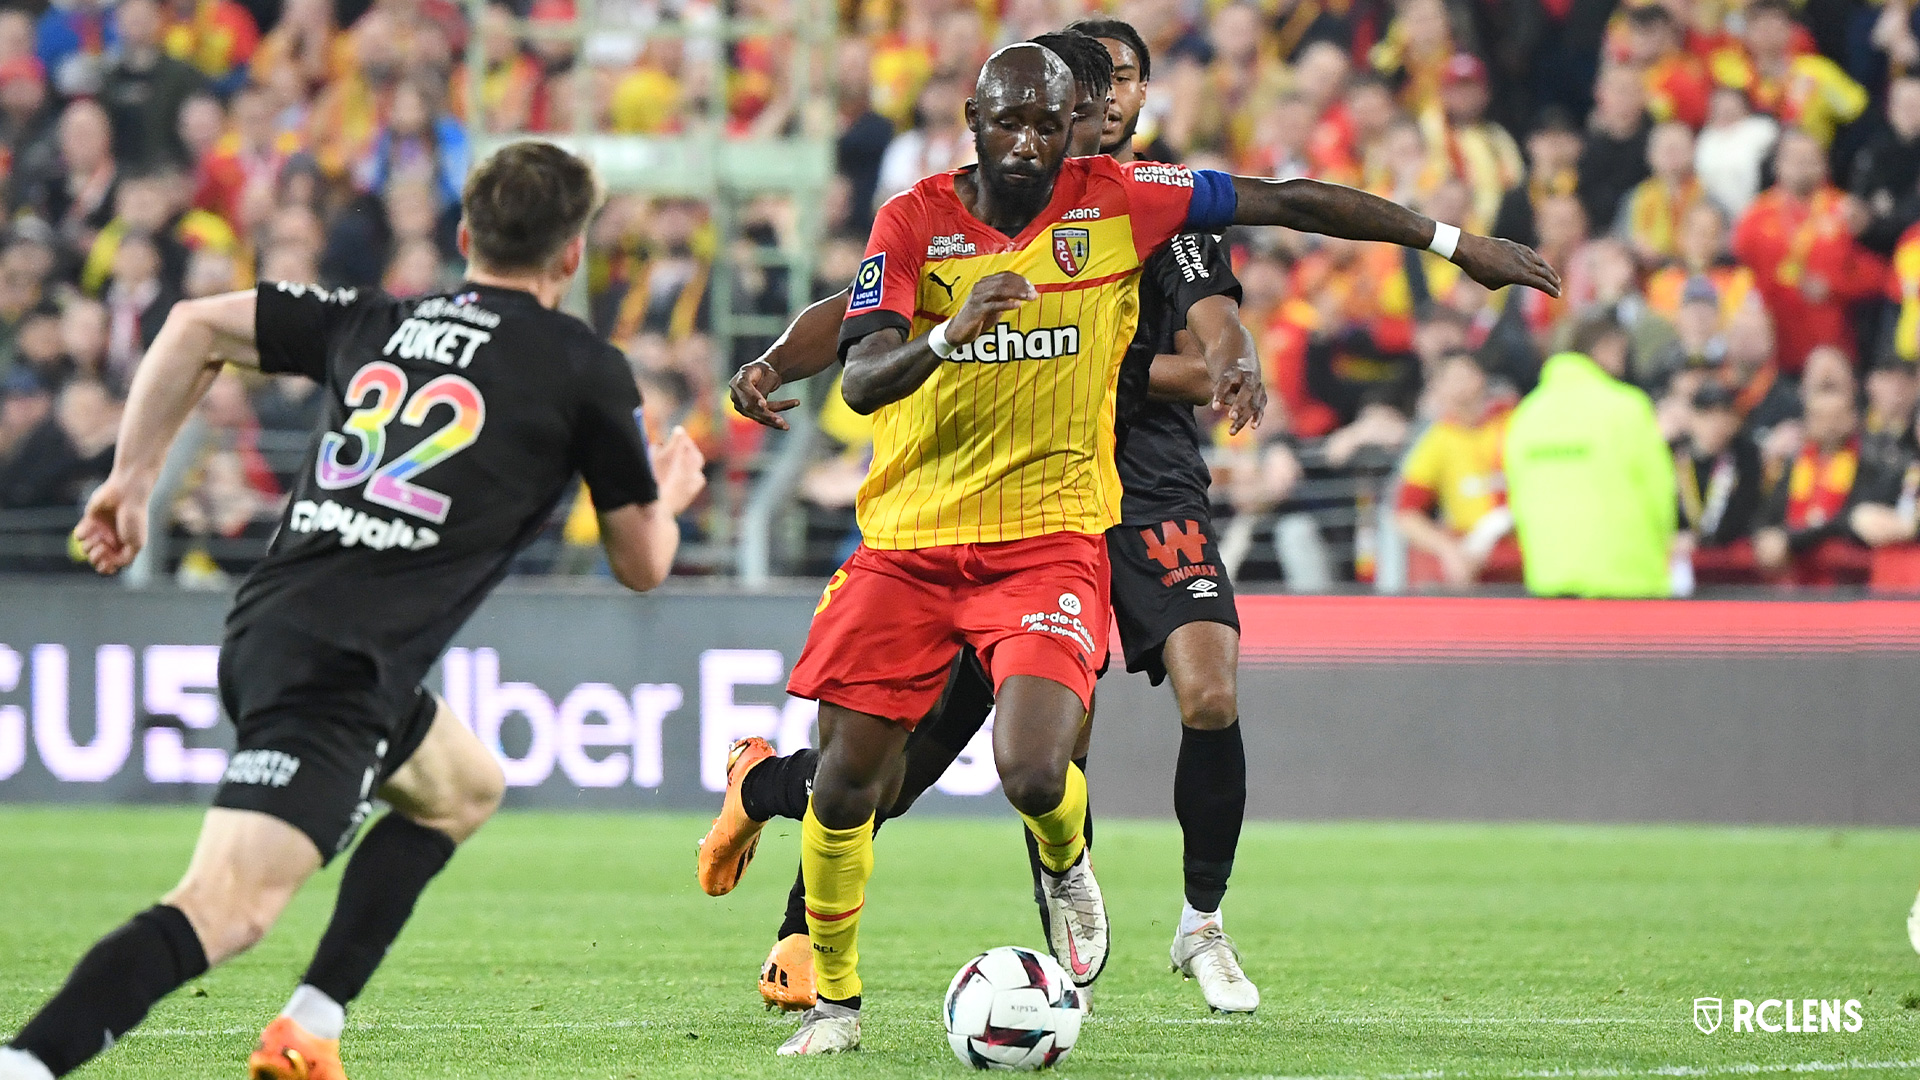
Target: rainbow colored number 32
x,y
375,395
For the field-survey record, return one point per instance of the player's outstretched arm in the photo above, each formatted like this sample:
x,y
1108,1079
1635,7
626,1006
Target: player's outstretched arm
x,y
198,337
884,367
1351,214
641,540
807,348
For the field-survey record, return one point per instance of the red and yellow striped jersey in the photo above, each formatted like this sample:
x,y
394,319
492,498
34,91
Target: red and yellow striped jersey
x,y
1013,435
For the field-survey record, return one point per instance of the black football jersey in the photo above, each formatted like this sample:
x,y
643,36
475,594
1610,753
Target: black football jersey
x,y
1162,474
453,425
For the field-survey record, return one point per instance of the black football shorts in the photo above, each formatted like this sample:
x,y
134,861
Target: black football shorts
x,y
318,732
1165,576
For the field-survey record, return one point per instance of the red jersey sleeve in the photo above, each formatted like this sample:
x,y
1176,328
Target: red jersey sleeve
x,y
886,288
1166,200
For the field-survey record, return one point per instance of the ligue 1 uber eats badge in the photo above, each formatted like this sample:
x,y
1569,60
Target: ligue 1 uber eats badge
x,y
1070,249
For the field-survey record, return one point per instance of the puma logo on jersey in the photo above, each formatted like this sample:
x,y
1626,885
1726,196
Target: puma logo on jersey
x,y
1004,344
935,278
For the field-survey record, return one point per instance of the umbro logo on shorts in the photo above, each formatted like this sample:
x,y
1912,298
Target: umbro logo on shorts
x,y
1203,588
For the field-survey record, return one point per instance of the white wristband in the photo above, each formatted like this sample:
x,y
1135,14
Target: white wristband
x,y
938,343
1445,238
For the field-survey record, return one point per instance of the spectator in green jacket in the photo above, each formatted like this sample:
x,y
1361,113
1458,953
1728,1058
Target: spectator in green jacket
x,y
1589,476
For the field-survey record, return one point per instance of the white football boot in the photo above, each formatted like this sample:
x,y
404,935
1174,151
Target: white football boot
x,y
1207,955
824,1029
1913,924
1076,920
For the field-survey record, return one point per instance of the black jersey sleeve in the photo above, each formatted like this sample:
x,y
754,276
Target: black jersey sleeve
x,y
611,440
1192,267
295,325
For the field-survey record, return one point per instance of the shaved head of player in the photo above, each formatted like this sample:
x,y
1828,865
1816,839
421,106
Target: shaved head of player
x,y
1021,116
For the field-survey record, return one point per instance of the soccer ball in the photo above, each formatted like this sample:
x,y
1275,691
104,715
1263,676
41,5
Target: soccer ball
x,y
1012,1008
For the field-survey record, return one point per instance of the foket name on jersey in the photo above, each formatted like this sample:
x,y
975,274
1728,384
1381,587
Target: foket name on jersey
x,y
947,247
443,342
1004,344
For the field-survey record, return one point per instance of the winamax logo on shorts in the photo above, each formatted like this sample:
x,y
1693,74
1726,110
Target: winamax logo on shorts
x,y
1798,1015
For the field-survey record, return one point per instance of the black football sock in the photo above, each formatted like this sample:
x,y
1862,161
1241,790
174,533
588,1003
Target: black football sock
x,y
112,988
795,920
779,786
1210,799
383,880
1034,864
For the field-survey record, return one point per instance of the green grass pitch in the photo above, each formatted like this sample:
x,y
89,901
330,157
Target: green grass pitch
x,y
575,946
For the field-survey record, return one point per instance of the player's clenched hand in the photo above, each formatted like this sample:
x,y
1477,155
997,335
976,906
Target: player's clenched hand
x,y
750,387
1239,391
992,296
679,468
1494,262
114,528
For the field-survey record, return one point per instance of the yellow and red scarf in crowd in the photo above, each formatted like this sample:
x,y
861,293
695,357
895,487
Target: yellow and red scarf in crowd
x,y
1818,484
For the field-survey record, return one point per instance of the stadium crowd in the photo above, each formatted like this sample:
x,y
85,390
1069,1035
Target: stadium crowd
x,y
1738,183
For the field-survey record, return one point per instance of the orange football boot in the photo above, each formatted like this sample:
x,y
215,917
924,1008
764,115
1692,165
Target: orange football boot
x,y
291,1052
786,982
729,845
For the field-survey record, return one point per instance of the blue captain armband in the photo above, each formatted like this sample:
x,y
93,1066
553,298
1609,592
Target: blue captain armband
x,y
1214,202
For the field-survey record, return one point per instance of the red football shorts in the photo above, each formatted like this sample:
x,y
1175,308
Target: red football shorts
x,y
889,622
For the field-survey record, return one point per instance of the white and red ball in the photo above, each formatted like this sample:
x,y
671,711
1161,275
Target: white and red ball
x,y
1012,1008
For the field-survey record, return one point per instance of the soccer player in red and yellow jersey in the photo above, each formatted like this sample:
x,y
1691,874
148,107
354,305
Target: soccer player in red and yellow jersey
x,y
984,334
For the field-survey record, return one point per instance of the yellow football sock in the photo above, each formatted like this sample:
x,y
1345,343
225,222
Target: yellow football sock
x,y
836,864
1060,830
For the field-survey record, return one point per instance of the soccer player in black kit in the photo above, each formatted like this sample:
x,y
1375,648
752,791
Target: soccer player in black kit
x,y
454,425
1172,601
